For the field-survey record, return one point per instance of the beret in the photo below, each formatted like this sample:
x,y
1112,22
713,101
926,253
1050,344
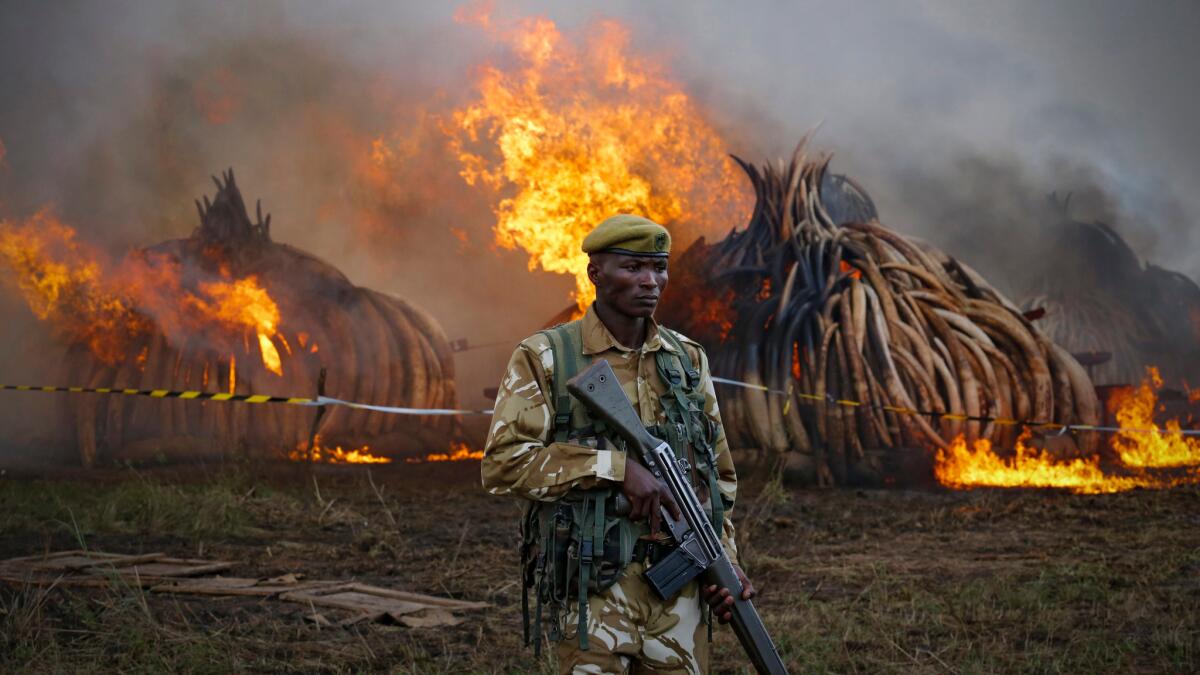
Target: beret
x,y
629,235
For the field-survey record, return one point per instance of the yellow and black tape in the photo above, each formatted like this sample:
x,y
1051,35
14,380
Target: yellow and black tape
x,y
166,393
812,398
246,398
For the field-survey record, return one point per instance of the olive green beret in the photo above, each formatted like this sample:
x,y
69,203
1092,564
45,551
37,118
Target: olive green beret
x,y
630,235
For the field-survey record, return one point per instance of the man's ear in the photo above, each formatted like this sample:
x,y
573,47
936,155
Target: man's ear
x,y
593,268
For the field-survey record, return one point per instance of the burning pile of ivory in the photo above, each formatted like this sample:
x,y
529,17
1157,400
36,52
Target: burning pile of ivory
x,y
262,318
1103,303
853,311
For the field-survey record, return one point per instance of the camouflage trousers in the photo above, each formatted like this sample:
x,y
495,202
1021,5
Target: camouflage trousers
x,y
630,630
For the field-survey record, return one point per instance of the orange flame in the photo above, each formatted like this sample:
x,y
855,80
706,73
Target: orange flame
x,y
714,311
582,129
1141,446
458,452
1135,410
244,303
62,281
108,307
846,268
336,455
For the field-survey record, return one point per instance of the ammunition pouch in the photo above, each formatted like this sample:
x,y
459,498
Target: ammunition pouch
x,y
571,548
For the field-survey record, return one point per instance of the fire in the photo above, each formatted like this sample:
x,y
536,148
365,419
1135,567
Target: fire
x,y
714,310
979,466
63,281
1134,410
336,455
847,268
458,452
243,303
581,129
111,307
1141,446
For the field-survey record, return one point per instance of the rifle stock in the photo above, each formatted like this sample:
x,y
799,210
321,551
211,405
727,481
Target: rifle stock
x,y
597,388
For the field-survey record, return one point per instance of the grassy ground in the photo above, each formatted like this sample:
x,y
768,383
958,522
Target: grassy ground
x,y
851,581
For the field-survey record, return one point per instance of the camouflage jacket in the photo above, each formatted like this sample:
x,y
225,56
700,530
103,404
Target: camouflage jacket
x,y
521,460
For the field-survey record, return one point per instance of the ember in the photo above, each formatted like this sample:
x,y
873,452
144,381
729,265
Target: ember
x,y
336,455
458,452
583,130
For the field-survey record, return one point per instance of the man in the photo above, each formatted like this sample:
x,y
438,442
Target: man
x,y
543,448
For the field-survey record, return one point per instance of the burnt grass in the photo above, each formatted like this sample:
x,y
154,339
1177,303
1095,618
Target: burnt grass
x,y
868,581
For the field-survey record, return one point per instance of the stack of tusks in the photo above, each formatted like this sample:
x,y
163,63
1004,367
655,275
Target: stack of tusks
x,y
854,311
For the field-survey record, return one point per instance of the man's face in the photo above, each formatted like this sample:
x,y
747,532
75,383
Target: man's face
x,y
630,285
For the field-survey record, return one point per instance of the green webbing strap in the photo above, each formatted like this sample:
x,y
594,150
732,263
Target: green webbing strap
x,y
598,522
585,570
568,357
682,387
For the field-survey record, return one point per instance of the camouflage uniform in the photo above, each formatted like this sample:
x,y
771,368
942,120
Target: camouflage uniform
x,y
627,623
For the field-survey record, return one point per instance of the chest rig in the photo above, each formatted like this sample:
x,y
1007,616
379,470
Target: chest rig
x,y
577,544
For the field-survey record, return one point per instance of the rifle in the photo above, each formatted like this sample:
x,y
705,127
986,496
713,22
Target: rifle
x,y
699,552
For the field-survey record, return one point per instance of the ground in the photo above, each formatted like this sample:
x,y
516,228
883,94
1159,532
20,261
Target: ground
x,y
851,581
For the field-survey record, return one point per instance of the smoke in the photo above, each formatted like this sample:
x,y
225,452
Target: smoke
x,y
958,118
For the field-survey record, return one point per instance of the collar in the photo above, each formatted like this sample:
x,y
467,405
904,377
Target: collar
x,y
598,339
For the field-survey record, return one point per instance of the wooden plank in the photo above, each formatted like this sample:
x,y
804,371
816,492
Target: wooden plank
x,y
60,554
234,586
158,568
417,597
89,562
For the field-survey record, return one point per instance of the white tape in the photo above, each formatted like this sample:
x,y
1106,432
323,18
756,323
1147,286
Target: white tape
x,y
326,400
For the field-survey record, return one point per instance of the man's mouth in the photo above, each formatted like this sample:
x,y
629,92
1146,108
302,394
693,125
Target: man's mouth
x,y
647,298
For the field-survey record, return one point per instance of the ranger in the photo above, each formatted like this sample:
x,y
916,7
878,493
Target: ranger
x,y
583,555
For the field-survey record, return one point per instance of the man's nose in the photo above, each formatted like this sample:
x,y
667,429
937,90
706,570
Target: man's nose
x,y
648,280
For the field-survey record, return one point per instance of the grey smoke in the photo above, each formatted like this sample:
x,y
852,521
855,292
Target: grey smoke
x,y
958,117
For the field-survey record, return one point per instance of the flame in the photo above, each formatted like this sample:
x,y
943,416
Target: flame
x,y
62,281
458,452
581,129
110,307
336,455
714,311
846,268
246,304
1141,446
1134,409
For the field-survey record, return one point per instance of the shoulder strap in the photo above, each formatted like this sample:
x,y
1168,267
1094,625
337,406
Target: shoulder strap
x,y
685,359
684,390
566,347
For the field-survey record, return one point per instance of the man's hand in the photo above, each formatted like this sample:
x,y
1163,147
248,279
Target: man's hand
x,y
646,495
721,599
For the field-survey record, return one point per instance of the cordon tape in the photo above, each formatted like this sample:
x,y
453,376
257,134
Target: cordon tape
x,y
811,399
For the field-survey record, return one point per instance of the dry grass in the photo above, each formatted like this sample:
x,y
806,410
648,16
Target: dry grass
x,y
874,581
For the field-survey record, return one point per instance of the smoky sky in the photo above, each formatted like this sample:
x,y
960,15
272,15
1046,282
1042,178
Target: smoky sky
x,y
953,114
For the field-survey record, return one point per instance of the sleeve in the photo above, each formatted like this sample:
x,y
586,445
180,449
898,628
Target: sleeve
x,y
726,474
519,458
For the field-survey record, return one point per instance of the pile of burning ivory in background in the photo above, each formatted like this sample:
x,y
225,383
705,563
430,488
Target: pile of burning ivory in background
x,y
858,342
